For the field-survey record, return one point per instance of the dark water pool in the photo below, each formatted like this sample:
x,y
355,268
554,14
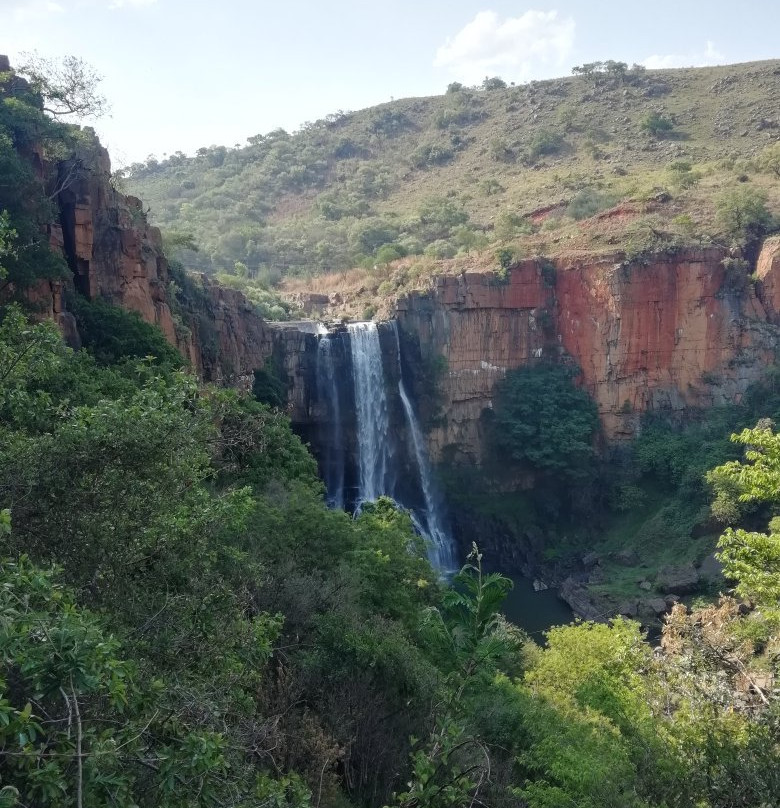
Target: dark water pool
x,y
535,611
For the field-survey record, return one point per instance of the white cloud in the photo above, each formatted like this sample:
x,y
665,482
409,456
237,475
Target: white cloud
x,y
515,48
709,56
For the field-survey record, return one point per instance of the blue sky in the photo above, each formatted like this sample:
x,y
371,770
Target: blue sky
x,y
182,74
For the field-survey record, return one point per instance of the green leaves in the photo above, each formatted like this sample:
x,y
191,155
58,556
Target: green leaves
x,y
543,420
752,558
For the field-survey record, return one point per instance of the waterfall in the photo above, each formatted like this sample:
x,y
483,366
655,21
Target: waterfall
x,y
328,392
378,447
440,550
438,540
374,448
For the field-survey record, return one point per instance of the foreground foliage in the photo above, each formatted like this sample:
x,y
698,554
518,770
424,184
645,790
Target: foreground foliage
x,y
183,622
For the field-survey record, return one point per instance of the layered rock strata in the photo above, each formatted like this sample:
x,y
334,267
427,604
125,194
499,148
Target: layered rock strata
x,y
665,333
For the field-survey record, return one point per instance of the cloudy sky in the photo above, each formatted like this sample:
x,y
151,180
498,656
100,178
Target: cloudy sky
x,y
181,74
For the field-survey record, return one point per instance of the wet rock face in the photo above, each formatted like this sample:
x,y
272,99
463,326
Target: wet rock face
x,y
663,334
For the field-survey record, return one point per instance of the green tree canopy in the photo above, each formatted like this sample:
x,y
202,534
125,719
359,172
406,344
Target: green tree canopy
x,y
544,420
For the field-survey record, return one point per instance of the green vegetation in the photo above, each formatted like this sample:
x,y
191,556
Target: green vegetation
x,y
542,420
185,623
26,208
752,558
111,334
657,125
297,205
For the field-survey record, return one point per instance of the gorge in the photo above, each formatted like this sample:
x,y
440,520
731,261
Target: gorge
x,y
259,534
666,333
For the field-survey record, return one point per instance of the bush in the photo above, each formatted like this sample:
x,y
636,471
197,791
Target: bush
x,y
431,154
545,421
545,142
111,334
389,252
493,83
656,125
589,202
744,216
270,385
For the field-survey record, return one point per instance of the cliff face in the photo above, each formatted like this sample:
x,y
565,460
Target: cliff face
x,y
115,255
110,249
672,332
666,333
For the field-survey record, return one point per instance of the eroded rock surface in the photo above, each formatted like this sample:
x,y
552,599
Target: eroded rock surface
x,y
664,333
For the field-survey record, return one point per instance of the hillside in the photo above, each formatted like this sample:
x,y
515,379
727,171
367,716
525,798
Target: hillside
x,y
187,624
631,159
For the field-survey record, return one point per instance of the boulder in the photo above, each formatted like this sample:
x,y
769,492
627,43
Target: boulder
x,y
677,580
577,596
627,557
628,608
590,559
657,605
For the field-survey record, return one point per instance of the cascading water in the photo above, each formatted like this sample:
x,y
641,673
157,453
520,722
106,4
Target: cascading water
x,y
430,525
374,447
440,544
378,449
328,392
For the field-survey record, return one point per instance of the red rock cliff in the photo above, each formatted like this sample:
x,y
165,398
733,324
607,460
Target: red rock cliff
x,y
667,333
116,255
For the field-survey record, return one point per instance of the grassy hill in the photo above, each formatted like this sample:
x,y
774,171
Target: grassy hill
x,y
632,159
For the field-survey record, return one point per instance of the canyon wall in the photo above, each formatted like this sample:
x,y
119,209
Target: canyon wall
x,y
115,255
662,334
667,332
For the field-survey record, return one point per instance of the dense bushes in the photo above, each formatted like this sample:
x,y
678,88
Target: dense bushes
x,y
213,634
542,419
111,333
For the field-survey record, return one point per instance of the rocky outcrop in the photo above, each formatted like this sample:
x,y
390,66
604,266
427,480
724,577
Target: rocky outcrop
x,y
111,250
115,255
665,333
768,276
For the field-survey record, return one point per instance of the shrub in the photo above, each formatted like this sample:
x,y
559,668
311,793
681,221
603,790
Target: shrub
x,y
500,151
545,142
505,258
656,124
743,215
493,83
389,252
431,154
111,334
589,202
545,421
270,384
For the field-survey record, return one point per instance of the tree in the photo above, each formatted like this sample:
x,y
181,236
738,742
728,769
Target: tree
x,y
544,420
68,86
744,216
752,558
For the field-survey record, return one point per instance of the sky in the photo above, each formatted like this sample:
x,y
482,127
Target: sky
x,y
181,74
